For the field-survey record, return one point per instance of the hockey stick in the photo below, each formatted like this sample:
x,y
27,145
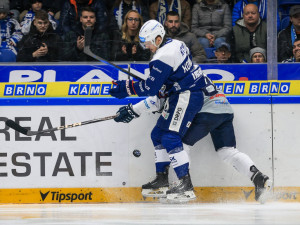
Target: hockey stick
x,y
17,127
87,42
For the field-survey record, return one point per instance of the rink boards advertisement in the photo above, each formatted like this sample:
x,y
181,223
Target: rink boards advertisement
x,y
96,163
101,89
100,73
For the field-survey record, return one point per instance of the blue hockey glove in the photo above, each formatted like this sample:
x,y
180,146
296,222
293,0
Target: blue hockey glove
x,y
122,89
176,88
125,114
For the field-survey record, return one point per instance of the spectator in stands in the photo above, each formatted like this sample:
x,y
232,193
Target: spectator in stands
x,y
36,5
53,7
237,12
121,7
159,9
10,34
41,44
16,7
249,32
71,11
211,22
296,52
74,40
287,36
180,31
129,48
222,53
258,55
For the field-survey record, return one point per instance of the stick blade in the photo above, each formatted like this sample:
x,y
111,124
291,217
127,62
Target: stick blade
x,y
15,126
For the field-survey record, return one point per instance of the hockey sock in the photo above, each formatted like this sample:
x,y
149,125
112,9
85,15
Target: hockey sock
x,y
162,159
240,161
180,161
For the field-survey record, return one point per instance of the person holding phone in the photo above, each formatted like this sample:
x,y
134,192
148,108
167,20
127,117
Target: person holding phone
x,y
41,44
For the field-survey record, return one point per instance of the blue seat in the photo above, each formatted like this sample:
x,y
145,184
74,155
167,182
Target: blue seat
x,y
6,55
284,22
210,53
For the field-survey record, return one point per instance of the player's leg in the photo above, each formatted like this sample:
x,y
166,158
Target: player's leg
x,y
225,144
200,127
158,186
180,161
177,118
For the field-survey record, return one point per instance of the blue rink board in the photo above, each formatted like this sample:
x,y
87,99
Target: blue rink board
x,y
115,101
74,73
90,72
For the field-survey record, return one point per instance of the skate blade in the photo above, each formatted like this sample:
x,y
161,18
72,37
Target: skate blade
x,y
267,194
181,198
155,193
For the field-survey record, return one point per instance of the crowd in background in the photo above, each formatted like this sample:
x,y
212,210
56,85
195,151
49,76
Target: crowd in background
x,y
216,31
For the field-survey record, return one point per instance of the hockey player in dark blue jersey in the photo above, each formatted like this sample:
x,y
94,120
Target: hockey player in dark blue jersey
x,y
171,63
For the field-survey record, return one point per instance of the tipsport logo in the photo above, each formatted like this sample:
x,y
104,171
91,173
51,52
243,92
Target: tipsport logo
x,y
57,196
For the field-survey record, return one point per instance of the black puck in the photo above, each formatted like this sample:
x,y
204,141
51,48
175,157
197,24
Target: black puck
x,y
136,153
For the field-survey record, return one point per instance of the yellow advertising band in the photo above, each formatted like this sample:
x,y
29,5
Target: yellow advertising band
x,y
97,89
133,194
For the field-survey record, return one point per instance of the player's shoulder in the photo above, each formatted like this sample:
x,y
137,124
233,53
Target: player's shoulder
x,y
169,52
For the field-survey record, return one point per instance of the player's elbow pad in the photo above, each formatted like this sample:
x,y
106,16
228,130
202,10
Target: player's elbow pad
x,y
150,104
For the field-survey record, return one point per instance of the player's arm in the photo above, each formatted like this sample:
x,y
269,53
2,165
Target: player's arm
x,y
126,113
159,72
196,81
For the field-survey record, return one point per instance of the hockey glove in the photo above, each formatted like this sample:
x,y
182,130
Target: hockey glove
x,y
122,89
176,88
125,114
209,89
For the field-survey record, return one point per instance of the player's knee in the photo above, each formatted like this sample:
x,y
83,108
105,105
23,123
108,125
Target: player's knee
x,y
171,141
156,136
189,141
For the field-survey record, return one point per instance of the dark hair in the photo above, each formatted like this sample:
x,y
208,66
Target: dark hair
x,y
41,14
88,9
172,13
118,2
35,1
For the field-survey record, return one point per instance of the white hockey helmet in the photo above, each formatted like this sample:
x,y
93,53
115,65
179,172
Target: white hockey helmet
x,y
149,31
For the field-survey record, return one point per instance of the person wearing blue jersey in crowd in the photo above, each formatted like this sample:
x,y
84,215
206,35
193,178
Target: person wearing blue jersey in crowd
x,y
171,63
36,5
122,7
10,34
287,37
158,10
238,9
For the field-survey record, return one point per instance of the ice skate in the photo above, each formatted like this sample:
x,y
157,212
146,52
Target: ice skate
x,y
263,187
158,187
183,192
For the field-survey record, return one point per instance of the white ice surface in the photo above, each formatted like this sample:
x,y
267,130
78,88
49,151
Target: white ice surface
x,y
150,213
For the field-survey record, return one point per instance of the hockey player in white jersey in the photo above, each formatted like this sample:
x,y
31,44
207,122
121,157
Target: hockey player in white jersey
x,y
171,63
216,118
